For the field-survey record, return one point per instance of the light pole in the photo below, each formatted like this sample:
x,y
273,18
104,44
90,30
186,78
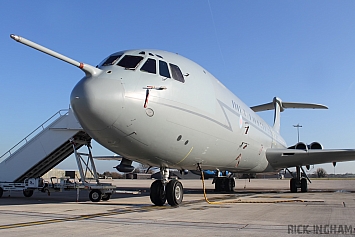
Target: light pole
x,y
298,126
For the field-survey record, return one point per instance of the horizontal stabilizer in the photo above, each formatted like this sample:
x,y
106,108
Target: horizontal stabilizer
x,y
278,106
287,105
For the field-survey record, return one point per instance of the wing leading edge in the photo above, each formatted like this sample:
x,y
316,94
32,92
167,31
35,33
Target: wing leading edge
x,y
284,158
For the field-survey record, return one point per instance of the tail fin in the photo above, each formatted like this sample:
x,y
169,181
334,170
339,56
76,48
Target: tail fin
x,y
280,106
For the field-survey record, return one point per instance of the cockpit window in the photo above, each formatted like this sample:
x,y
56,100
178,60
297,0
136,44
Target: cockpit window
x,y
130,61
111,60
176,73
149,66
163,69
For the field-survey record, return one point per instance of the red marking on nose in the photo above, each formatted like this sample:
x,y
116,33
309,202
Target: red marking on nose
x,y
146,99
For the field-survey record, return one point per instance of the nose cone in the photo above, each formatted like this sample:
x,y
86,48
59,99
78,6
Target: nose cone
x,y
97,102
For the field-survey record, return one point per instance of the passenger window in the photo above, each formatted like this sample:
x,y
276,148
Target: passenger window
x,y
111,60
149,66
163,69
130,61
176,73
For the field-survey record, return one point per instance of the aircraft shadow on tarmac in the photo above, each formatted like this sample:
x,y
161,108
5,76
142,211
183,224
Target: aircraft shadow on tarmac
x,y
17,198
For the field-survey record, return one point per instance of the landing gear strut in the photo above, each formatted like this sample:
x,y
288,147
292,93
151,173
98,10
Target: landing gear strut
x,y
298,181
164,190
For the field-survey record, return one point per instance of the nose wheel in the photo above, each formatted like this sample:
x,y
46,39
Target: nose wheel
x,y
164,190
174,192
157,193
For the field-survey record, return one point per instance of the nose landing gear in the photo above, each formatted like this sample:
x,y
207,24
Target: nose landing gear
x,y
174,192
164,190
157,193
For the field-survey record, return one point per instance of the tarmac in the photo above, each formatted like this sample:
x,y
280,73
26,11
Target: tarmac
x,y
261,207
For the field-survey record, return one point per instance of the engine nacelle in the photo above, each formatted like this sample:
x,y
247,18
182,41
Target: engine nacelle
x,y
301,146
315,145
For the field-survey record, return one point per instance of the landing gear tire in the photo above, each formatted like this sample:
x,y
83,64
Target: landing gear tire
x,y
95,195
223,184
229,185
293,185
1,192
27,192
304,188
157,193
106,196
174,192
218,185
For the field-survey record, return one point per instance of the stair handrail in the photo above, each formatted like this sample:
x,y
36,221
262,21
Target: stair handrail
x,y
66,111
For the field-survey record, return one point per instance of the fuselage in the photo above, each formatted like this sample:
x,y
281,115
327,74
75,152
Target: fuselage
x,y
161,109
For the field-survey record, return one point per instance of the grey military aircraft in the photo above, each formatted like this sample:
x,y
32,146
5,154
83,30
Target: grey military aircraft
x,y
164,110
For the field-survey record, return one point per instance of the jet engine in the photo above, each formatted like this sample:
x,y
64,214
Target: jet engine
x,y
315,145
303,146
299,146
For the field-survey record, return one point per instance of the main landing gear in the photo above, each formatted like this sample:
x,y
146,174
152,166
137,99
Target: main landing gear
x,y
298,180
165,190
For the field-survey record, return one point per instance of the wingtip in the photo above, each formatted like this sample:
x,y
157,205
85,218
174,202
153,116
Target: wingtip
x,y
15,37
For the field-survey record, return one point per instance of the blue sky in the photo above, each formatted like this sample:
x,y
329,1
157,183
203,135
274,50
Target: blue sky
x,y
300,51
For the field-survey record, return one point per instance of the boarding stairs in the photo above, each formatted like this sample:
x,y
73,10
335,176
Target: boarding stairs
x,y
44,148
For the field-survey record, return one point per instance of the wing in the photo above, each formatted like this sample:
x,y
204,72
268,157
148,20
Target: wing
x,y
283,158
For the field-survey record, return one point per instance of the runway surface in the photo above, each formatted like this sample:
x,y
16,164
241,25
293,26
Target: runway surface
x,y
262,207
